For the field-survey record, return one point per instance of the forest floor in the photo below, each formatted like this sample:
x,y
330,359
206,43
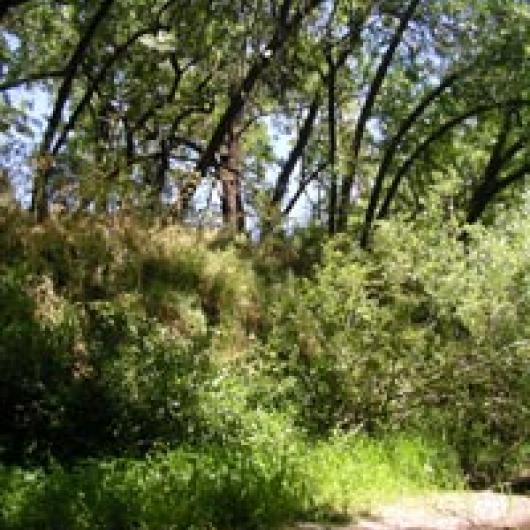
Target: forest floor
x,y
443,511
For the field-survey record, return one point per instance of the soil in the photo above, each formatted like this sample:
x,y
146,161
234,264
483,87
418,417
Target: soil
x,y
444,511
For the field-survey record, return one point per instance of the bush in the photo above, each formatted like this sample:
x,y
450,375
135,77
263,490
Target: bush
x,y
108,330
424,332
37,340
100,378
116,338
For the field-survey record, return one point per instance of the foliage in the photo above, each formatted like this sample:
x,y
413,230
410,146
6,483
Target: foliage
x,y
165,97
108,335
144,337
428,331
160,367
210,487
91,381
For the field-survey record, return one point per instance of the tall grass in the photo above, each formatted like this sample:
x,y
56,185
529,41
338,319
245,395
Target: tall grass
x,y
352,473
223,488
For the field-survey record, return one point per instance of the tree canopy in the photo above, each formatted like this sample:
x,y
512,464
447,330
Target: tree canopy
x,y
166,105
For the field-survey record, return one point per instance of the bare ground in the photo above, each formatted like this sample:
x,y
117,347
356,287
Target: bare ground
x,y
444,511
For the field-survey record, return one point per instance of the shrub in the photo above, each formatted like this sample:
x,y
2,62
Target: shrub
x,y
425,331
108,329
37,338
99,378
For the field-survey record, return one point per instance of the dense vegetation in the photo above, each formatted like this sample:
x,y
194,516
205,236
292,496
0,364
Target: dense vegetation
x,y
259,261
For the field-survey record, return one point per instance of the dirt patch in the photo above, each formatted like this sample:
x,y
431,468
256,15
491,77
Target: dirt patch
x,y
445,511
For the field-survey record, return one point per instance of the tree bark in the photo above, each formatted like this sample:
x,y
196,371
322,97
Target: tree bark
x,y
296,152
94,85
31,78
433,137
486,193
230,177
158,178
491,184
301,188
356,25
332,133
284,29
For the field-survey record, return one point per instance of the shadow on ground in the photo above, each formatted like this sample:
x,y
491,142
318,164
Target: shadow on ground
x,y
443,511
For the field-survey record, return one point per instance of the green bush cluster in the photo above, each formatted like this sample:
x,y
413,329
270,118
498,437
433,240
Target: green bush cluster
x,y
426,331
125,341
89,379
109,333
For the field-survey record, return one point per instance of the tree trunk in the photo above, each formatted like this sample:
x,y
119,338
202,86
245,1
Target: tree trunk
x,y
488,191
332,132
285,28
366,113
296,152
422,148
39,194
158,178
230,177
393,146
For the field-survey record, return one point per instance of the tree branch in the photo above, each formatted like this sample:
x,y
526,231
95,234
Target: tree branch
x,y
39,199
91,90
395,142
347,44
436,135
301,188
297,150
283,30
367,108
489,192
490,184
31,78
70,73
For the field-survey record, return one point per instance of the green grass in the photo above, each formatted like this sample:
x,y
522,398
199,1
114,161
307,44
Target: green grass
x,y
223,488
351,474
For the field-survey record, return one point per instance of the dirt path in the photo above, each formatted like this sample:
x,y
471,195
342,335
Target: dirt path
x,y
445,511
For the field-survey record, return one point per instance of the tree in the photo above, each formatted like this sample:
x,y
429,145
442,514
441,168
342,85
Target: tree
x,y
155,99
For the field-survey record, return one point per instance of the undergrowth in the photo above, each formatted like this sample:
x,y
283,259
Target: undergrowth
x,y
152,377
224,488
